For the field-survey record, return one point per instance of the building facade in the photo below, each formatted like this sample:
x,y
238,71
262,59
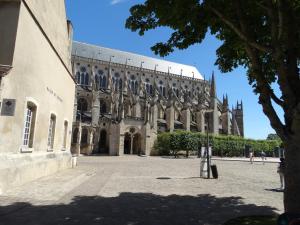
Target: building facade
x,y
36,111
123,100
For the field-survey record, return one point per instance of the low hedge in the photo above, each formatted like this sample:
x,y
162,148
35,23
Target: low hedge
x,y
223,145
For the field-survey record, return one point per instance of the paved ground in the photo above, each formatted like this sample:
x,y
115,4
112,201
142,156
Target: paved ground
x,y
144,190
243,159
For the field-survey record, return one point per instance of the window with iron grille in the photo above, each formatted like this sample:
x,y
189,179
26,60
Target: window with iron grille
x,y
29,124
65,134
51,132
28,119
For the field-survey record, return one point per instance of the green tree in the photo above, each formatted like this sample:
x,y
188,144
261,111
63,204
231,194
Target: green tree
x,y
273,137
261,35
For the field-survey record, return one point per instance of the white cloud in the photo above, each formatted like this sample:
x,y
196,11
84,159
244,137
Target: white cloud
x,y
114,2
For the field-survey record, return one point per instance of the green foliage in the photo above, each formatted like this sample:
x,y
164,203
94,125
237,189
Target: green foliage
x,y
261,36
171,143
273,137
162,144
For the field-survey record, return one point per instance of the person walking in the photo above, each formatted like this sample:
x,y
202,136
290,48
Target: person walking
x,y
251,155
280,171
263,156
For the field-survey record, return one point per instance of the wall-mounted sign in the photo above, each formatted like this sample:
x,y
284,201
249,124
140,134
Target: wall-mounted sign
x,y
8,107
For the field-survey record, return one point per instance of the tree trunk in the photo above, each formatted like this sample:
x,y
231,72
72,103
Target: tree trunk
x,y
292,174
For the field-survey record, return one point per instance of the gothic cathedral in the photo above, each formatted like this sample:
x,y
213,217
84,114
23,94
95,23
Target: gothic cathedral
x,y
123,100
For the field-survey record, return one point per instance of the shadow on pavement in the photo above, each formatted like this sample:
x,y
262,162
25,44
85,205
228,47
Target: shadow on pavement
x,y
132,209
163,178
274,190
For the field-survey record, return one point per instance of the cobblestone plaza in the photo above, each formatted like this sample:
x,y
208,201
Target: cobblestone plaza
x,y
144,190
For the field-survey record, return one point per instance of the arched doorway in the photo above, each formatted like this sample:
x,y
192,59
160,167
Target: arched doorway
x,y
103,146
127,143
132,143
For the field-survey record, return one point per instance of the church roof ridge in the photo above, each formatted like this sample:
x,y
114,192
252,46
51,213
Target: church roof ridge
x,y
86,50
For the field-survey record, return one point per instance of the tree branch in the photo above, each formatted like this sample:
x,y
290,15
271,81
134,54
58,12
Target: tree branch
x,y
280,19
265,94
277,100
273,22
252,43
270,112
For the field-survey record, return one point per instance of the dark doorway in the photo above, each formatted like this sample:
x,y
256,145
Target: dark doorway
x,y
103,146
84,136
127,143
136,146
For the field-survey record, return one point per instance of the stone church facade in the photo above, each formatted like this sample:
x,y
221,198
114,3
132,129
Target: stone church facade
x,y
123,100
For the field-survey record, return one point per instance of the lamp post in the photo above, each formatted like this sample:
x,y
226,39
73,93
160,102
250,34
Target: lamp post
x,y
207,150
207,147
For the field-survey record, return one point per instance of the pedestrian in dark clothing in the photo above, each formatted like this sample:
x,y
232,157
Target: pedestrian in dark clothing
x,y
280,171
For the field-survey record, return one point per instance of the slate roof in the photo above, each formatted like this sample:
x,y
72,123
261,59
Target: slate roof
x,y
117,56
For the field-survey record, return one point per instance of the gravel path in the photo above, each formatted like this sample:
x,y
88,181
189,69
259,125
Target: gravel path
x,y
144,190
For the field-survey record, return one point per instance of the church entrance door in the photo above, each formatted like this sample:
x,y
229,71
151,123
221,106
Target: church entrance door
x,y
103,147
127,143
132,143
136,145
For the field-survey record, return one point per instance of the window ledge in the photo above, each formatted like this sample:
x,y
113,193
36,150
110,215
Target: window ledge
x,y
64,149
25,149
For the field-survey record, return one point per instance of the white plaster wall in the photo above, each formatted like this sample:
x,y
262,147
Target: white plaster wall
x,y
36,73
51,15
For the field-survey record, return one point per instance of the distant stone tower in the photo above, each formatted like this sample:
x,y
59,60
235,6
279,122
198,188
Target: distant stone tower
x,y
225,117
214,118
238,119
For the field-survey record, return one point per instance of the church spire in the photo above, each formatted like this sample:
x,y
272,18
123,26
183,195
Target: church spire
x,y
213,86
225,103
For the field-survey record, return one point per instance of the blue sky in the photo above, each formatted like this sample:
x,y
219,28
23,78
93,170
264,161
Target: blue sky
x,y
102,22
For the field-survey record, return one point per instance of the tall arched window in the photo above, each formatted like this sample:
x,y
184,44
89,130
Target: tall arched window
x,y
100,80
103,82
83,77
162,88
133,84
87,79
148,87
117,81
